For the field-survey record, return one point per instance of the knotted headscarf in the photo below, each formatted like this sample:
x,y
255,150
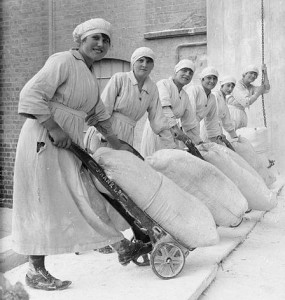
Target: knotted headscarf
x,y
91,26
227,79
250,68
184,63
208,71
142,52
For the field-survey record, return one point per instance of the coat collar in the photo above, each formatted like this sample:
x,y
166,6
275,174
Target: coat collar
x,y
146,85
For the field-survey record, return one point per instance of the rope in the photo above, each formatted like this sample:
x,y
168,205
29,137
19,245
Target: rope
x,y
262,53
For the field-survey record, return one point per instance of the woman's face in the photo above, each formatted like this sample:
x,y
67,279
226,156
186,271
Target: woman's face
x,y
209,82
227,88
183,76
142,67
249,77
94,47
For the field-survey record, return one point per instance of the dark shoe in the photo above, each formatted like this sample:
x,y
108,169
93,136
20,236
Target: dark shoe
x,y
41,279
133,251
106,250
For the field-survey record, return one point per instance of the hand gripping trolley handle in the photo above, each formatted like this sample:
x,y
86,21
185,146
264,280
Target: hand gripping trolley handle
x,y
168,255
223,139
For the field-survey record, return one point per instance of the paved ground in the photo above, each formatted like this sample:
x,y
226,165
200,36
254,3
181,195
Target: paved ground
x,y
5,224
101,277
256,269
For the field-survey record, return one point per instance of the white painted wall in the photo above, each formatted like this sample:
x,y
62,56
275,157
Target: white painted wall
x,y
234,41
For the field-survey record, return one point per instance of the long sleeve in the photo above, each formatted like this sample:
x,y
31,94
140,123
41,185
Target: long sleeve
x,y
241,96
212,119
228,123
111,92
223,112
158,121
97,114
168,113
105,128
36,94
190,125
192,93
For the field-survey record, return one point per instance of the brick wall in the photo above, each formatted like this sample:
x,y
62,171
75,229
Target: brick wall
x,y
23,49
28,37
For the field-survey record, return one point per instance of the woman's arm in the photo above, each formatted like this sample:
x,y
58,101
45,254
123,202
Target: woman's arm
x,y
111,92
57,136
39,90
190,123
105,128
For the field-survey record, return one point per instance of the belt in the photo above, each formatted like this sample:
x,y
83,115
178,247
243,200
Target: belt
x,y
237,107
79,113
124,118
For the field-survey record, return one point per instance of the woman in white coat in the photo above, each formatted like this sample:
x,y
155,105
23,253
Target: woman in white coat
x,y
245,94
176,107
225,121
127,97
49,181
203,103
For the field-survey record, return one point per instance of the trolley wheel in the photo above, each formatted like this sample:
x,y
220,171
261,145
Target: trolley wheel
x,y
167,260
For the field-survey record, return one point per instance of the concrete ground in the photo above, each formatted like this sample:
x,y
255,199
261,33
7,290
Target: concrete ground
x,y
100,276
257,267
8,258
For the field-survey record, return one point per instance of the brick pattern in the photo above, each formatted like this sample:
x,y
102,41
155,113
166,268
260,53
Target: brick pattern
x,y
23,50
24,47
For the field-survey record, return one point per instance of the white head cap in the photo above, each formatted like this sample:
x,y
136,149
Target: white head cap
x,y
142,52
208,72
227,79
250,68
184,63
92,26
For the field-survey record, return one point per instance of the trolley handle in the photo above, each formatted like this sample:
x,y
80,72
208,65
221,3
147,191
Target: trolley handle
x,y
190,145
223,139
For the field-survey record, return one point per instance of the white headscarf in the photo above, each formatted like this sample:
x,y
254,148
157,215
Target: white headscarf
x,y
184,63
208,72
92,26
227,79
250,68
142,52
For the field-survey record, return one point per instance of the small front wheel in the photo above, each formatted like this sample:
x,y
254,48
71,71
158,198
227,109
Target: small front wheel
x,y
167,260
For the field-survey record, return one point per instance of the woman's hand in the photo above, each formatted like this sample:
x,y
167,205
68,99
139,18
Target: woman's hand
x,y
261,90
177,133
264,68
265,77
59,138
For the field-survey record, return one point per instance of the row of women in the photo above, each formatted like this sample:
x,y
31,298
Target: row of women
x,y
49,181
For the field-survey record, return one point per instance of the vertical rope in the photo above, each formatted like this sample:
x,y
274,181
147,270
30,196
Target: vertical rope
x,y
51,27
262,53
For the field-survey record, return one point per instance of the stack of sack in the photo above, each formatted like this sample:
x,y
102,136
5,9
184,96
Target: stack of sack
x,y
181,214
258,139
204,181
249,182
245,149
